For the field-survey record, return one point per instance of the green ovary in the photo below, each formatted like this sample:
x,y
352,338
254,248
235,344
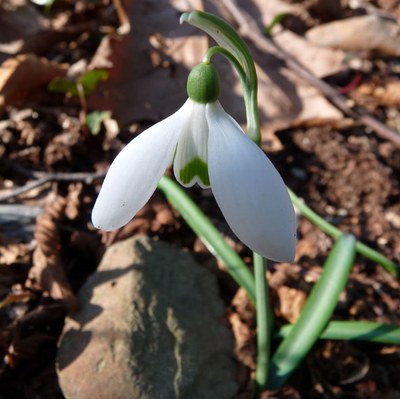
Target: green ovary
x,y
196,167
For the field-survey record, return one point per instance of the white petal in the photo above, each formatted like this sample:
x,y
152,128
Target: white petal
x,y
135,172
249,190
190,162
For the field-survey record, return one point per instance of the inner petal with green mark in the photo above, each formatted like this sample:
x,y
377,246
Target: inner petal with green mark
x,y
196,170
190,162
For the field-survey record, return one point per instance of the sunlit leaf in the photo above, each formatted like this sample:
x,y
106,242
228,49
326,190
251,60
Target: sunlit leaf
x,y
277,19
88,82
63,85
91,79
94,119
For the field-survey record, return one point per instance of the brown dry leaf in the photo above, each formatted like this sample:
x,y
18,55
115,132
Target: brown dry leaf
x,y
164,215
320,61
244,307
378,34
244,341
15,298
284,99
60,147
23,74
111,132
306,247
149,65
73,200
243,324
291,301
47,272
387,94
24,30
13,253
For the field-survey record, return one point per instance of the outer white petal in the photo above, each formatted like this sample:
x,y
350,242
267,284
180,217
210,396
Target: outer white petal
x,y
249,190
192,146
135,172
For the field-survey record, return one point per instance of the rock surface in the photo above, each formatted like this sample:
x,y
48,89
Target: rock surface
x,y
149,328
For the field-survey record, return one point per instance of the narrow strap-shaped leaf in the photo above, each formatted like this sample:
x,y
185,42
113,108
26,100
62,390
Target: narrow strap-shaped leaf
x,y
316,312
354,331
334,232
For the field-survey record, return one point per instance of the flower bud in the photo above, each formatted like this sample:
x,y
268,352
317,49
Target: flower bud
x,y
203,84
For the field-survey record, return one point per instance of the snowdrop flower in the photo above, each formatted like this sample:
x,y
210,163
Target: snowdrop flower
x,y
207,147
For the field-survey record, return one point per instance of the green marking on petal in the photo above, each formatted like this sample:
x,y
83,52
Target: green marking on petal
x,y
196,167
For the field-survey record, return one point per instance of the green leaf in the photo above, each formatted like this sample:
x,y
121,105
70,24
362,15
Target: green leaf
x,y
94,119
277,19
354,331
316,312
89,82
63,85
334,232
91,79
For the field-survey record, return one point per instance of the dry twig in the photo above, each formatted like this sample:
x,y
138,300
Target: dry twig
x,y
43,178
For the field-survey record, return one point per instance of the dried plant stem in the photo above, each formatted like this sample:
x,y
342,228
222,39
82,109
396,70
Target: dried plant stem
x,y
42,179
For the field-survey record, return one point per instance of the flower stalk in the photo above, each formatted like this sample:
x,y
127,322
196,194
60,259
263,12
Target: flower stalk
x,y
264,322
228,39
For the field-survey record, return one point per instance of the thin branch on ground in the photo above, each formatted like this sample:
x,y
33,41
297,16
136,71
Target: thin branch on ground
x,y
43,178
249,29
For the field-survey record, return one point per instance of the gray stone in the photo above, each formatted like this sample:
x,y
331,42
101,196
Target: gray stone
x,y
150,327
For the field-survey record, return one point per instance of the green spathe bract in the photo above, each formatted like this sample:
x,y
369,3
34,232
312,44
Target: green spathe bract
x,y
203,84
196,167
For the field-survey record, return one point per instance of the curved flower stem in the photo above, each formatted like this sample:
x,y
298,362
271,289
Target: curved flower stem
x,y
209,235
334,232
253,121
264,322
228,38
316,312
223,51
249,91
354,331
